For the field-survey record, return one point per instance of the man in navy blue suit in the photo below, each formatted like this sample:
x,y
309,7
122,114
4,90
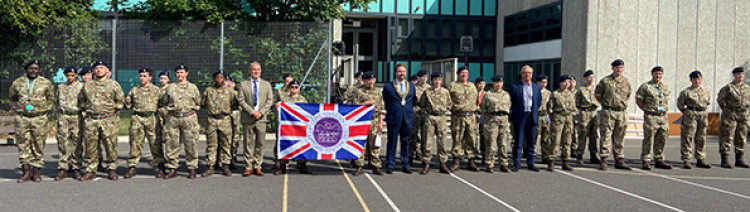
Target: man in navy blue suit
x,y
398,97
525,97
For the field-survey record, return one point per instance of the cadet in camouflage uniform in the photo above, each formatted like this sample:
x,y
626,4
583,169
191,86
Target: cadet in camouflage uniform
x,y
463,120
68,125
435,102
293,96
231,84
283,91
693,101
479,83
587,129
182,100
543,128
33,96
420,86
653,97
368,94
161,112
613,92
576,120
561,107
351,91
495,107
219,101
101,99
143,101
734,99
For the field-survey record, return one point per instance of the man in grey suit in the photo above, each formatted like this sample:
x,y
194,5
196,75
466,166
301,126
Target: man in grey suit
x,y
256,98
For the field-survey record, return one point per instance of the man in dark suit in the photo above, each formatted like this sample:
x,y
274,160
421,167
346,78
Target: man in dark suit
x,y
398,97
525,97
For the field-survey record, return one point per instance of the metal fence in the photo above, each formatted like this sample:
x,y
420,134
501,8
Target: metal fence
x,y
299,48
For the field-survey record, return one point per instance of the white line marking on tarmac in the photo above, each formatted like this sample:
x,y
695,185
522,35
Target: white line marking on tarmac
x,y
621,191
385,196
695,184
5,180
485,193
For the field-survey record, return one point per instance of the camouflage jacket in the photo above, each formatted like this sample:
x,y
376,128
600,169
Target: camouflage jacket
x,y
181,97
735,96
463,97
101,97
562,103
546,94
653,95
418,94
219,101
435,102
585,97
143,98
693,99
67,97
376,94
42,98
614,92
495,102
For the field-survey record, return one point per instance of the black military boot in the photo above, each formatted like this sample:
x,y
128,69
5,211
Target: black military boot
x,y
739,162
566,166
603,163
35,175
725,162
579,159
472,166
456,164
703,164
444,169
620,164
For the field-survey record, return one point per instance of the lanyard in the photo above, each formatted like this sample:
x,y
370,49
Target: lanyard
x,y
31,87
657,89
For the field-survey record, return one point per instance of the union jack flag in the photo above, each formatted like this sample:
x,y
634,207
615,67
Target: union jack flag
x,y
322,131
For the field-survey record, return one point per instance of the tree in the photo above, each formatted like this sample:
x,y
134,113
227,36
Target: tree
x,y
216,11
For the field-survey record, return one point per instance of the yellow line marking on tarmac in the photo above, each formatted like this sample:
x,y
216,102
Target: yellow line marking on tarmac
x,y
354,188
286,184
674,176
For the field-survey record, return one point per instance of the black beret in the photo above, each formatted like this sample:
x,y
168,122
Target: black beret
x,y
230,78
31,62
413,77
84,70
164,73
695,74
462,68
497,77
99,63
738,70
368,75
436,74
358,74
219,73
181,66
657,68
294,82
618,62
572,77
421,73
541,77
144,70
69,69
479,79
563,78
588,73
284,76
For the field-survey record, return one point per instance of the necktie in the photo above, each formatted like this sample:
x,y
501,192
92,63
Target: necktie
x,y
401,84
255,93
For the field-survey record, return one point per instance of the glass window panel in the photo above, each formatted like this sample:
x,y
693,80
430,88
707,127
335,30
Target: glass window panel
x,y
509,40
510,20
417,30
445,29
537,36
477,48
522,27
403,27
489,30
432,31
522,38
349,42
445,48
430,47
553,20
366,40
489,49
509,29
475,25
460,28
537,24
554,33
416,49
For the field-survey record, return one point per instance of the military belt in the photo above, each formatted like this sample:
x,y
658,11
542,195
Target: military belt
x,y
218,116
542,113
32,114
100,116
434,113
696,108
737,109
462,113
498,113
562,113
660,113
589,108
613,108
181,114
70,113
144,113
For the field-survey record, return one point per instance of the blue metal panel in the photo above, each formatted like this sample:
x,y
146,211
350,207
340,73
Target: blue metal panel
x,y
415,4
415,67
389,6
462,7
488,70
403,6
446,7
474,70
490,6
373,7
475,7
432,7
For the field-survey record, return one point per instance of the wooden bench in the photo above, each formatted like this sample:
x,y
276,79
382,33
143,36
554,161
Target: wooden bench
x,y
7,128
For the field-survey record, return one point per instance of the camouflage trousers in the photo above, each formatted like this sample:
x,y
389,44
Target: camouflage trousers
x,y
161,120
464,134
142,128
693,131
69,142
218,140
100,132
235,135
255,135
542,137
587,132
372,150
435,128
561,134
655,134
612,126
31,134
188,128
416,133
496,132
733,130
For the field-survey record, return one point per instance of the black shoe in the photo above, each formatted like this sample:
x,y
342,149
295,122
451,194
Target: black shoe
x,y
533,168
406,170
514,168
389,171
